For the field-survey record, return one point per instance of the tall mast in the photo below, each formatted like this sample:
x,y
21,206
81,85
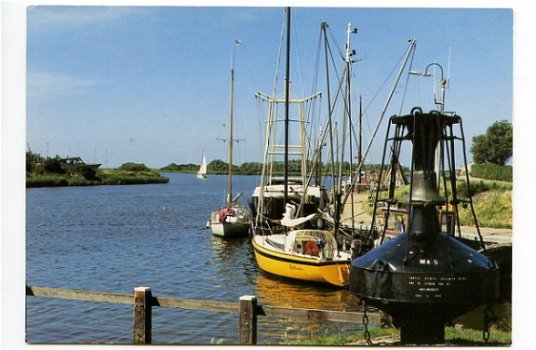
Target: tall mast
x,y
360,154
330,123
349,54
231,140
287,98
347,103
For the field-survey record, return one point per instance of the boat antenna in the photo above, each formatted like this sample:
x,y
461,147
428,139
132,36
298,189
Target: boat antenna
x,y
287,98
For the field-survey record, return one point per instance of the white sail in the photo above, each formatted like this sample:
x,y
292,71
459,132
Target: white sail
x,y
202,172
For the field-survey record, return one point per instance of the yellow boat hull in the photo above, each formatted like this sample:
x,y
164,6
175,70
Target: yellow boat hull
x,y
301,268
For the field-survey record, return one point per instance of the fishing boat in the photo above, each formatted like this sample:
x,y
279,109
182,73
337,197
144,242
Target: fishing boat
x,y
202,172
231,220
289,238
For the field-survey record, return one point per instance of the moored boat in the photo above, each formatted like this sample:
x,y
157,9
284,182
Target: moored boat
x,y
289,239
304,254
231,220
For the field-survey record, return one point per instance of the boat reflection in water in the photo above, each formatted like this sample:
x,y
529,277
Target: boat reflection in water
x,y
271,290
275,291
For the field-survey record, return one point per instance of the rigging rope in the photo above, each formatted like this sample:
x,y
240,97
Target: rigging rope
x,y
296,41
381,52
382,86
278,63
336,43
385,82
312,124
407,82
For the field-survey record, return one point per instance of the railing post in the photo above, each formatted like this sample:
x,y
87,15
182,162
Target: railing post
x,y
386,320
248,320
142,315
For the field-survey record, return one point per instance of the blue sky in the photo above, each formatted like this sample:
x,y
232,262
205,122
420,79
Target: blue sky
x,y
151,84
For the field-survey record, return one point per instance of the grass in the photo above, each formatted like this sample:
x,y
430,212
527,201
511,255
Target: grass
x,y
103,177
125,177
492,201
493,209
463,336
46,181
453,335
343,339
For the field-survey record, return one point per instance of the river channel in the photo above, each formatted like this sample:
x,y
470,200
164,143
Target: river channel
x,y
116,238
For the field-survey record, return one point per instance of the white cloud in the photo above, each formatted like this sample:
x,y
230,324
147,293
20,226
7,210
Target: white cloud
x,y
45,84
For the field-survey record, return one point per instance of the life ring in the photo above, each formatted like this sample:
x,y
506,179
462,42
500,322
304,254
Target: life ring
x,y
311,248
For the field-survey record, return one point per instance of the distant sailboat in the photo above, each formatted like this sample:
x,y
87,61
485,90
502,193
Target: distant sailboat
x,y
202,172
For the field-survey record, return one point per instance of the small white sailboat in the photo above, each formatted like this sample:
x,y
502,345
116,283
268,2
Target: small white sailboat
x,y
231,220
202,172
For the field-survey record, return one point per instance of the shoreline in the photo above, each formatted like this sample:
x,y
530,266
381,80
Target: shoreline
x,y
109,179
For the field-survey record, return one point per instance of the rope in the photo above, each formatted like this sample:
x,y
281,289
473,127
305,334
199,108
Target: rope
x,y
300,71
407,83
381,52
278,63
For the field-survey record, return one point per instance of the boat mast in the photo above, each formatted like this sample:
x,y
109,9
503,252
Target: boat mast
x,y
230,176
360,154
349,54
330,123
287,98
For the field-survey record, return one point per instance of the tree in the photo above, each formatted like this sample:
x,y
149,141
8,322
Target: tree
x,y
218,166
53,165
130,166
495,146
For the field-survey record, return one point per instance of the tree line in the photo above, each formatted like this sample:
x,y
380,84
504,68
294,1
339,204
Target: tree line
x,y
220,167
492,149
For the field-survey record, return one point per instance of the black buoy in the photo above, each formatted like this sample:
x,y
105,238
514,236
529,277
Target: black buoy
x,y
424,277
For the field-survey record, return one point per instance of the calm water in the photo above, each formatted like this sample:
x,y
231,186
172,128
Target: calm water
x,y
115,238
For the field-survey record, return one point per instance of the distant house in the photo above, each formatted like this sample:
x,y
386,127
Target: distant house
x,y
77,165
461,170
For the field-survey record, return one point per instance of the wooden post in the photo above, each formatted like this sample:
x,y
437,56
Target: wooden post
x,y
142,315
248,320
386,320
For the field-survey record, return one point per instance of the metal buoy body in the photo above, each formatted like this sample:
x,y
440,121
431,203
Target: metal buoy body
x,y
424,277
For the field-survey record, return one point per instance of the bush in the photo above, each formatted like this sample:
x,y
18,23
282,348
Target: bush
x,y
79,180
492,172
476,187
133,180
54,166
134,167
